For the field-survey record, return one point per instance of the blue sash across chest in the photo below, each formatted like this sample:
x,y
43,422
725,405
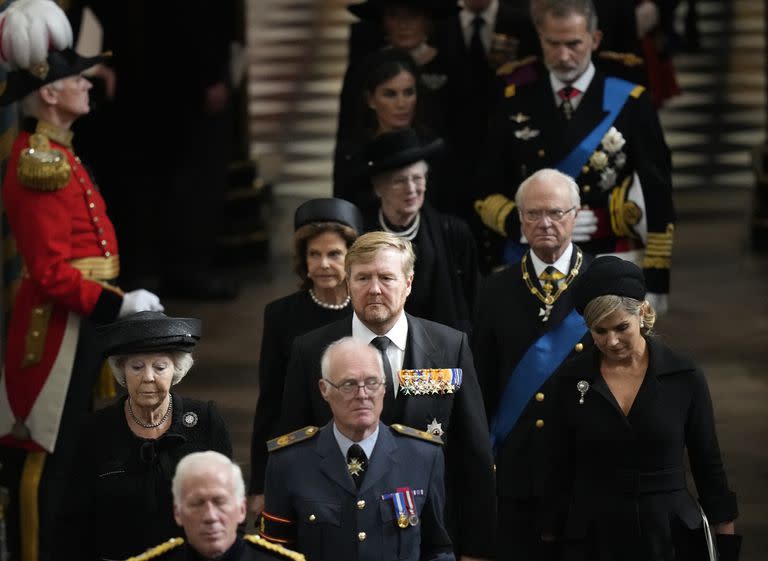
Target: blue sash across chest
x,y
538,363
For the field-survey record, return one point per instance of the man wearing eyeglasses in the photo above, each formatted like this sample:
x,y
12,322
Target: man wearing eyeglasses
x,y
356,489
525,327
430,376
564,113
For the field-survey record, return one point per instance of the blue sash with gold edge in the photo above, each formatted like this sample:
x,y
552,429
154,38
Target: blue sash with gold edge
x,y
538,363
615,95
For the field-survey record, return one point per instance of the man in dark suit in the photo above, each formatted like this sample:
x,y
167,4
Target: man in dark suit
x,y
525,328
379,272
357,489
600,130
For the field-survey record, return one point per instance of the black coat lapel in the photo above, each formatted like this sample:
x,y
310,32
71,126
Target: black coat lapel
x,y
382,459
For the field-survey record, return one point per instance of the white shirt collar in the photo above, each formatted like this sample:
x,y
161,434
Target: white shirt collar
x,y
563,264
366,444
398,334
581,84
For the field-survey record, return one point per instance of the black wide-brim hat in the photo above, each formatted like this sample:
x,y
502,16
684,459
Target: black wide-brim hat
x,y
329,210
59,64
397,149
373,9
150,332
609,275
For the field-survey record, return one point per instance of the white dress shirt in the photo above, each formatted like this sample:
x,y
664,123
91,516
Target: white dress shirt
x,y
466,17
345,443
398,336
563,264
581,84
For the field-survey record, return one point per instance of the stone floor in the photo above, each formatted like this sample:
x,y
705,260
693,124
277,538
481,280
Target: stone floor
x,y
719,310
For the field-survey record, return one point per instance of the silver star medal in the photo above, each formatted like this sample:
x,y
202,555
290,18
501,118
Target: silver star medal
x,y
519,118
544,312
435,428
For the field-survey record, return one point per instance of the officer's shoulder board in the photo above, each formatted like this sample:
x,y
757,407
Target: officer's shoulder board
x,y
416,433
291,438
517,73
629,60
275,548
42,168
158,550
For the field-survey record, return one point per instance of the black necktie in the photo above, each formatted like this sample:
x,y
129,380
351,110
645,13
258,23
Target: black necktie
x,y
357,463
382,343
476,47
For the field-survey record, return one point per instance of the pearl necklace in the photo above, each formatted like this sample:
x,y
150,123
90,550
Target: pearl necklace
x,y
150,425
328,306
407,234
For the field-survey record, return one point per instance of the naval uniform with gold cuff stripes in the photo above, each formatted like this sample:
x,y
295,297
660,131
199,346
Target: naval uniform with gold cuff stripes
x,y
313,504
530,132
69,249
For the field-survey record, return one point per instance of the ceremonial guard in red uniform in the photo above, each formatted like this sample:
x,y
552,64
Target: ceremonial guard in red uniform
x,y
70,262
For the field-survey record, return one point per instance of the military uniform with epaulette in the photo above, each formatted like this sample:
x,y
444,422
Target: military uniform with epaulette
x,y
313,504
52,357
612,145
246,548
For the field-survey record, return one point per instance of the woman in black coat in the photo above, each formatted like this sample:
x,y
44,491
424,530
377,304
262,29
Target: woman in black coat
x,y
120,500
446,270
323,231
622,417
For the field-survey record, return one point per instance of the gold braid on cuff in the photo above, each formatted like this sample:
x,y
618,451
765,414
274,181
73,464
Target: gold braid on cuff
x,y
494,210
658,250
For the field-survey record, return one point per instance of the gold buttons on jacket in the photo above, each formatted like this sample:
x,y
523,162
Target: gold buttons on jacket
x,y
539,396
539,423
584,169
360,504
541,153
579,347
586,188
361,536
312,517
91,205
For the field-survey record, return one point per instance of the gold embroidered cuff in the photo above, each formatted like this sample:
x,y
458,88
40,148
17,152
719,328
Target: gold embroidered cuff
x,y
624,214
494,210
658,250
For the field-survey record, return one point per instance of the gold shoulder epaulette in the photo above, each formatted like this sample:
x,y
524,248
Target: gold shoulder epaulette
x,y
627,59
637,91
512,65
158,550
41,167
291,438
273,547
416,433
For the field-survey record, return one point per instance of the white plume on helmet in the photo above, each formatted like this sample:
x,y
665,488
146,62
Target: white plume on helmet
x,y
28,28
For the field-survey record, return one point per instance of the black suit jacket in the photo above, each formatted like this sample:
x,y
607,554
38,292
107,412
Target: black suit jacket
x,y
471,509
507,323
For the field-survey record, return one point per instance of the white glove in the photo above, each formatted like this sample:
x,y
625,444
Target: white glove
x,y
659,302
29,28
647,16
584,226
139,301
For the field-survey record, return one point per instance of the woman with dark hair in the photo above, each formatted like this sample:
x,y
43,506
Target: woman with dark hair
x,y
323,231
623,415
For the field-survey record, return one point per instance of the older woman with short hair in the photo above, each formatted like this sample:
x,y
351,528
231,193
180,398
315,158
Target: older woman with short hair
x,y
622,417
120,494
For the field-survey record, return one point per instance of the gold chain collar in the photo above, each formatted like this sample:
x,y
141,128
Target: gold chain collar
x,y
549,299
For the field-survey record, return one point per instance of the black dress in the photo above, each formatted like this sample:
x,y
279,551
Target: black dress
x,y
622,478
120,500
284,320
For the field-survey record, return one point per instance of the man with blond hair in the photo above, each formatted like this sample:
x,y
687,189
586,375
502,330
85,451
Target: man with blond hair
x,y
430,376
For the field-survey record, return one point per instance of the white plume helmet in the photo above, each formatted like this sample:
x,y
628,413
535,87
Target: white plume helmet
x,y
28,28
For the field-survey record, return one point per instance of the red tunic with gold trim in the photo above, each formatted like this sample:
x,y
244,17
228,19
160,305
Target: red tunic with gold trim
x,y
69,249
